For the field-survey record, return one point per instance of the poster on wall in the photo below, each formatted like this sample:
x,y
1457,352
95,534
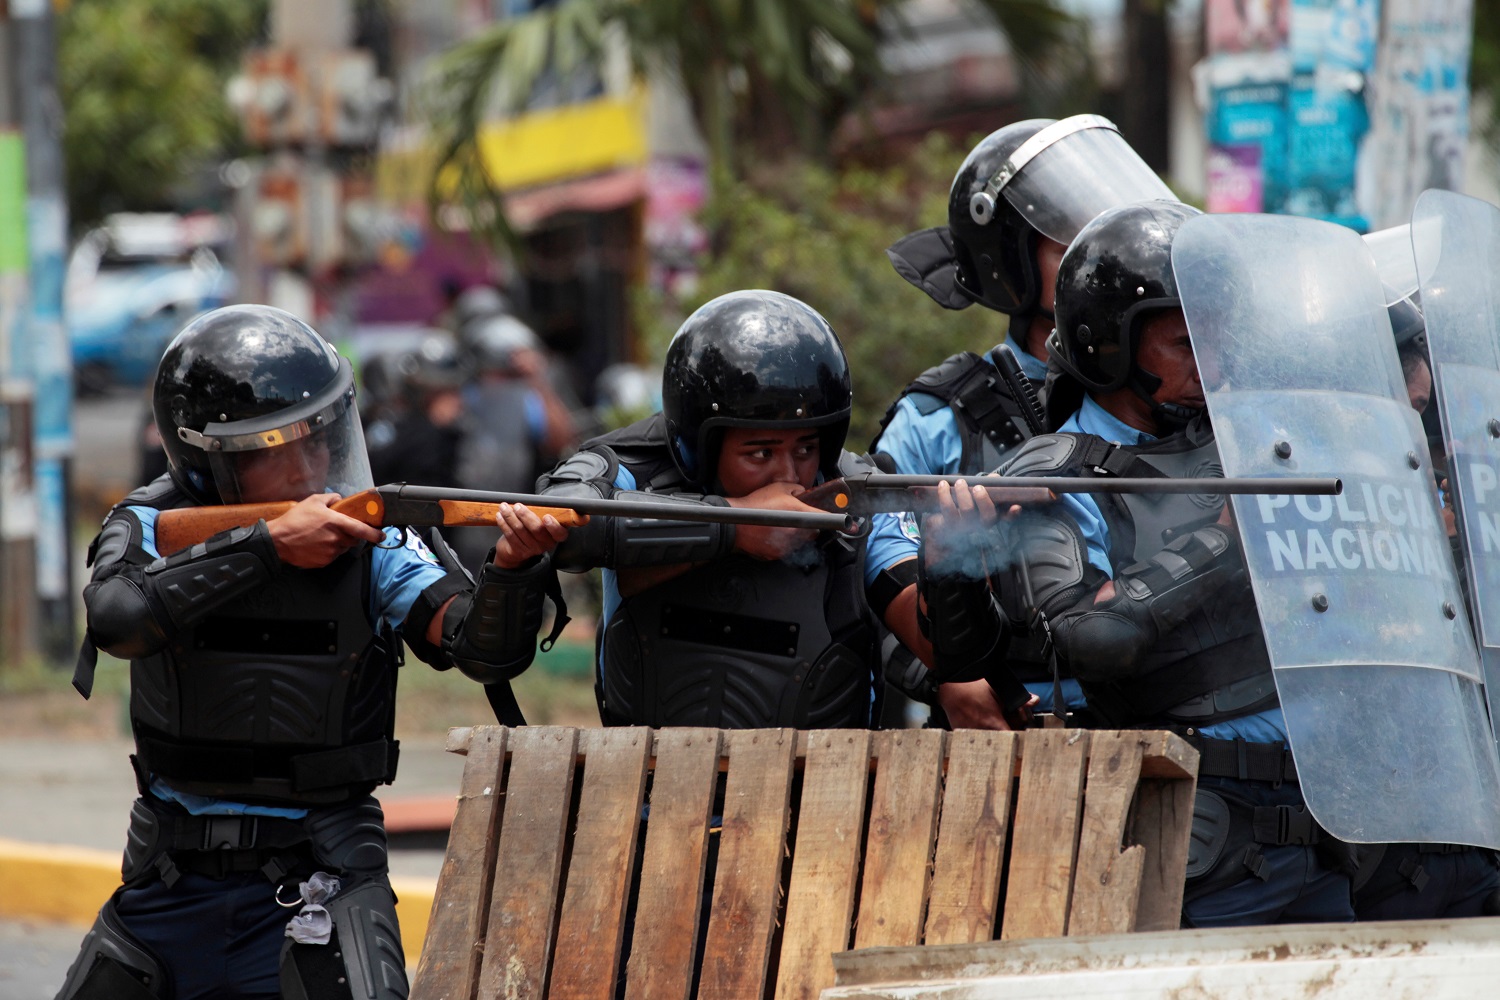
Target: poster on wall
x,y
1246,25
1247,140
1419,107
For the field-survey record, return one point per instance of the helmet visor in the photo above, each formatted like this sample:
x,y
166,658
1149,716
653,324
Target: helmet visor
x,y
1072,171
316,446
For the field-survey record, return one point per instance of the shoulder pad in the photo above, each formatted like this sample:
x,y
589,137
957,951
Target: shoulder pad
x,y
1044,455
642,448
594,467
851,464
925,402
943,380
161,493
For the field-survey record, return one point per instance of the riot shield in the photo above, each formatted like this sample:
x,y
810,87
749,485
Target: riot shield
x,y
1374,662
1457,271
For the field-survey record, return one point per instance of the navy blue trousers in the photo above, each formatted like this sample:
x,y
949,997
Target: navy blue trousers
x,y
217,937
1458,885
1296,886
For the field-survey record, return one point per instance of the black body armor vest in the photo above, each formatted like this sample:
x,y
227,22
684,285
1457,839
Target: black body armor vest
x,y
285,696
989,421
739,643
1212,667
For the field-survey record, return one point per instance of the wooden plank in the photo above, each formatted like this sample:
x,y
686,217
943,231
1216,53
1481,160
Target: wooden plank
x,y
528,863
1426,959
666,916
449,966
592,922
825,860
1163,824
459,737
747,883
898,846
971,837
1107,880
1044,841
1167,755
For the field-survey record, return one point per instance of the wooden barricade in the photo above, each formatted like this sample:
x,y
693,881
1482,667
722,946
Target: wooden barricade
x,y
813,842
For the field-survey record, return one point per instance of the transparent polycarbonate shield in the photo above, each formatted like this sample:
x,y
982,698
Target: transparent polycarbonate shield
x,y
1083,172
1457,271
1363,618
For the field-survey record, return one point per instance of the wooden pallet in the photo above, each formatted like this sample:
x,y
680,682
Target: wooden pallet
x,y
825,840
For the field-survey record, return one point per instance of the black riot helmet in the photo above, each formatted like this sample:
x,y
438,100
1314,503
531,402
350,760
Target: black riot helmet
x,y
250,394
1034,178
753,359
494,341
1116,273
994,259
435,364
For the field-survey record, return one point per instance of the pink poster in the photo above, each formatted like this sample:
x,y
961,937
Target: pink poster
x,y
1246,25
1235,180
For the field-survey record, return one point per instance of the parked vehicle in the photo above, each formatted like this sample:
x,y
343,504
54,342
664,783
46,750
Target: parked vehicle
x,y
131,285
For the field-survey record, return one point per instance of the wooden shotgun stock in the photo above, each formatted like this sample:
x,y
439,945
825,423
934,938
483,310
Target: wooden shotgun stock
x,y
185,526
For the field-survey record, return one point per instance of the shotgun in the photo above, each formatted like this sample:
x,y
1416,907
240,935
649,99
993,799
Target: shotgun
x,y
881,493
401,506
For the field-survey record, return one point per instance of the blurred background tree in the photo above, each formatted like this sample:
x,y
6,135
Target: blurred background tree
x,y
142,87
766,82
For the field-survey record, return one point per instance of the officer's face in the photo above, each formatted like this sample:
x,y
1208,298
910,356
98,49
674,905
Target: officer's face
x,y
1049,255
292,471
1166,352
1419,386
751,458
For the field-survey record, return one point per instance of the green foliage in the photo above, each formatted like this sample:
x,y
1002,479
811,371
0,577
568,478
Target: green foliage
x,y
821,236
764,80
142,85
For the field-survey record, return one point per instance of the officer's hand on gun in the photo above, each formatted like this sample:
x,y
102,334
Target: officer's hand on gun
x,y
524,536
310,535
966,516
773,543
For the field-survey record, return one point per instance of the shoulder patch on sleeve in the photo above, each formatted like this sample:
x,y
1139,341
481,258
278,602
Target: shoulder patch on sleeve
x,y
416,545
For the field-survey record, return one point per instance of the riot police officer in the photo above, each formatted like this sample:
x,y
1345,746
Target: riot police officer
x,y
1018,199
423,440
1146,595
737,626
263,677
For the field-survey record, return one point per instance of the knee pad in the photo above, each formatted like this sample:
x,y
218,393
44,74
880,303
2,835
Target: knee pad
x,y
349,840
113,965
363,958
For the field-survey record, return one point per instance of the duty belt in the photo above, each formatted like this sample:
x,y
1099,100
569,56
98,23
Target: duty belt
x,y
217,845
1243,759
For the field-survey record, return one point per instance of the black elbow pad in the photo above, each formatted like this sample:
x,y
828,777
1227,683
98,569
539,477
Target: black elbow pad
x,y
491,634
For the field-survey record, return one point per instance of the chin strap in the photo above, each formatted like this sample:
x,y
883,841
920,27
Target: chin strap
x,y
1170,417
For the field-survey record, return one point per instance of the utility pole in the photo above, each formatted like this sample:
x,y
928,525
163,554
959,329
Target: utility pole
x,y
41,118
18,513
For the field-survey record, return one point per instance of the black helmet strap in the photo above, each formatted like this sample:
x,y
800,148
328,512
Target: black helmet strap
x,y
1170,417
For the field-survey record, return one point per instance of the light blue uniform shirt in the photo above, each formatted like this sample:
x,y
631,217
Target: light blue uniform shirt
x,y
929,444
1267,726
397,577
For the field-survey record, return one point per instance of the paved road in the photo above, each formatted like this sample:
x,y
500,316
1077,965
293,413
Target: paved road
x,y
34,958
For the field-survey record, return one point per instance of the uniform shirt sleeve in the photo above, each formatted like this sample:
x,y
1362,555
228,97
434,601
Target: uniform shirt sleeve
x,y
609,579
922,444
147,517
398,576
893,538
536,416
